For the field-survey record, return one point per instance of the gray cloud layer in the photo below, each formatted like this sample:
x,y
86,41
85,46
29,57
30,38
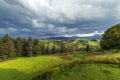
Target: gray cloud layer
x,y
44,18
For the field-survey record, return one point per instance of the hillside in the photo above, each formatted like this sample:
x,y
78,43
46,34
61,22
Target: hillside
x,y
70,45
89,72
28,68
62,66
98,67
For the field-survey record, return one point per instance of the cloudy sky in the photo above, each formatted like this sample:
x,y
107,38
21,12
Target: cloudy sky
x,y
49,18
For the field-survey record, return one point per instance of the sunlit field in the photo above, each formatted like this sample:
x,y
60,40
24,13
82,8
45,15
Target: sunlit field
x,y
27,68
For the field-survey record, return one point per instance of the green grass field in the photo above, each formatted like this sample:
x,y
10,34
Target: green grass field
x,y
94,69
89,72
27,68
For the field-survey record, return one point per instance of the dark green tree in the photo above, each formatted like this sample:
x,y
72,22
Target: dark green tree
x,y
47,50
42,49
29,47
53,50
36,48
7,47
18,46
87,47
111,38
62,49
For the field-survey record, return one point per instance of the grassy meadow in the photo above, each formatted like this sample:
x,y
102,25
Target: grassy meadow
x,y
97,67
93,68
27,68
89,72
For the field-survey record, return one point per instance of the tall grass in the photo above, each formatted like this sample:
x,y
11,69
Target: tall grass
x,y
28,68
89,72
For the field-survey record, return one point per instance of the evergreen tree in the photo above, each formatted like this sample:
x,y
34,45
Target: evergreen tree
x,y
36,48
88,47
62,50
42,49
53,50
19,46
7,47
24,42
47,49
29,47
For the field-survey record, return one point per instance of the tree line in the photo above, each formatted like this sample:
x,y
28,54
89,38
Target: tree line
x,y
26,47
21,47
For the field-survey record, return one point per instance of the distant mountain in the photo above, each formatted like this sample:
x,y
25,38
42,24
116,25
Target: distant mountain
x,y
74,37
95,37
59,38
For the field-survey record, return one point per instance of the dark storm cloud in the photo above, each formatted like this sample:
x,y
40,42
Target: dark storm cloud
x,y
44,18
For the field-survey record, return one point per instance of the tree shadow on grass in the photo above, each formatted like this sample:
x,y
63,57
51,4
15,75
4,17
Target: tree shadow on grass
x,y
12,74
